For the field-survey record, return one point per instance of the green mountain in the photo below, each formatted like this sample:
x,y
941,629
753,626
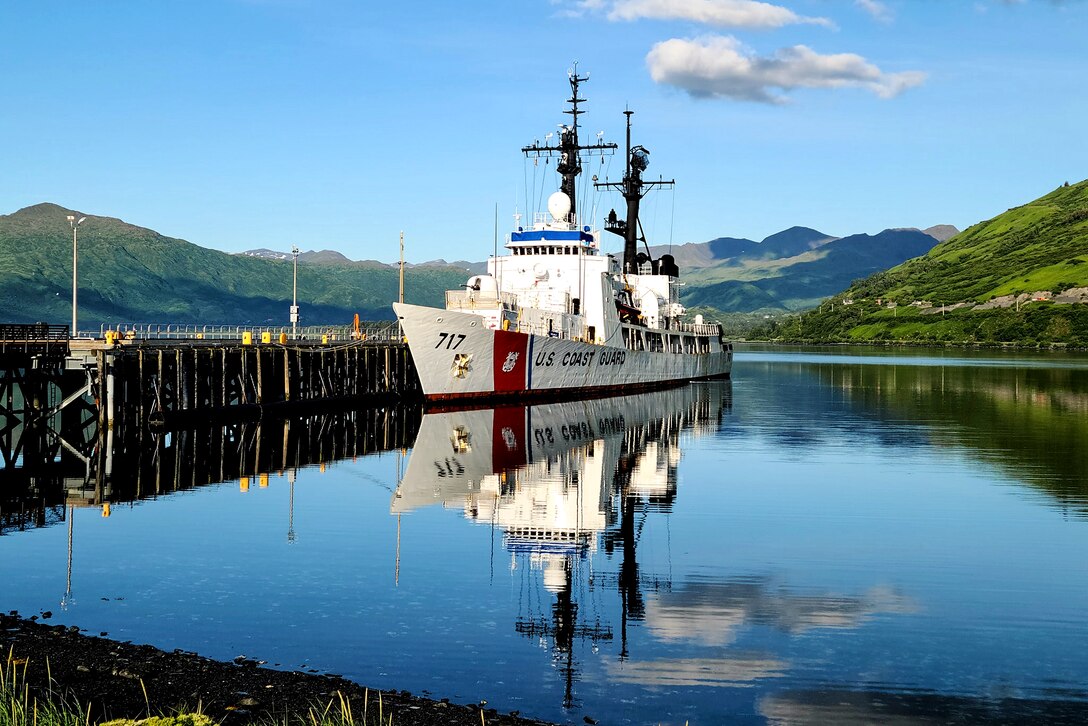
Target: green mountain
x,y
133,274
1020,277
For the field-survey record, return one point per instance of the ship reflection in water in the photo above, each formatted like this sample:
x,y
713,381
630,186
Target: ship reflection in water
x,y
562,481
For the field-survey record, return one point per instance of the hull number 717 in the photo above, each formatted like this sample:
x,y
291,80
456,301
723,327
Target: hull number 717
x,y
452,340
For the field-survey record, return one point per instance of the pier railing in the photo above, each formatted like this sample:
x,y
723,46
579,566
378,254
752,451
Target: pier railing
x,y
380,331
32,331
33,338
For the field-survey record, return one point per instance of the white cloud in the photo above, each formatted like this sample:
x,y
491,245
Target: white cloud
x,y
880,12
720,13
721,67
748,14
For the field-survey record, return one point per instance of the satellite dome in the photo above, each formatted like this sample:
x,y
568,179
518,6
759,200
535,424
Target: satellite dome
x,y
559,206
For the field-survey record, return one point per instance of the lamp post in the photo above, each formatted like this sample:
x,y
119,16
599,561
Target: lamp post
x,y
400,299
75,258
294,295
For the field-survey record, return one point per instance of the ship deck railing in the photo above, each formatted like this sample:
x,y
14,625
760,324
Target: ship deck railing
x,y
708,329
544,220
541,329
479,300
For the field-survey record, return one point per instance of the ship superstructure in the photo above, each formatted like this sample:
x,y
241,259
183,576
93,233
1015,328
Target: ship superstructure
x,y
556,314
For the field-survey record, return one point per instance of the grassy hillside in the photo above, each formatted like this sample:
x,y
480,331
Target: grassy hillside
x,y
982,285
1042,245
133,274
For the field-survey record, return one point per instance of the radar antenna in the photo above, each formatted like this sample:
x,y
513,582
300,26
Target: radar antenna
x,y
569,150
633,190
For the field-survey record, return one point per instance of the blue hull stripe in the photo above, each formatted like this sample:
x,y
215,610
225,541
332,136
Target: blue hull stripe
x,y
529,367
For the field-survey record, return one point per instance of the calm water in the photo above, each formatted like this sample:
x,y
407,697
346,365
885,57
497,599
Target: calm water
x,y
835,535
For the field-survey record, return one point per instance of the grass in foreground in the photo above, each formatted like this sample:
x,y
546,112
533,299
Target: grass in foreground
x,y
22,706
18,707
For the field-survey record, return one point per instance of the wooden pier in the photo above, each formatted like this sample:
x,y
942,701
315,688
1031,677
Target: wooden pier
x,y
173,383
56,391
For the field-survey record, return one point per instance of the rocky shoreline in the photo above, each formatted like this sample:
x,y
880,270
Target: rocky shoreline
x,y
120,680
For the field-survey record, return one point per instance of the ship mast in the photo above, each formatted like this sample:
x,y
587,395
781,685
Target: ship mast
x,y
569,150
633,190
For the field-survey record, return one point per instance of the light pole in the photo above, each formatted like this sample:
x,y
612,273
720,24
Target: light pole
x,y
400,299
294,295
75,258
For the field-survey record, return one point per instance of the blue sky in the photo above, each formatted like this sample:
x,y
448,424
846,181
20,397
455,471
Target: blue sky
x,y
335,124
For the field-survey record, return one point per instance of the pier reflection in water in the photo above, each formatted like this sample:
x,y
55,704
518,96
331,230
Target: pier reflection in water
x,y
834,536
103,471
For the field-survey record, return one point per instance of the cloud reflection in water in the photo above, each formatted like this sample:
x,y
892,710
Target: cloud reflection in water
x,y
712,613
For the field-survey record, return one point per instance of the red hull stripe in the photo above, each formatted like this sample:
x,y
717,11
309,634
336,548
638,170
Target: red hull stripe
x,y
511,362
449,401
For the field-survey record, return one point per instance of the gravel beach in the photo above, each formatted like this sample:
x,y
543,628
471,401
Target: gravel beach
x,y
111,676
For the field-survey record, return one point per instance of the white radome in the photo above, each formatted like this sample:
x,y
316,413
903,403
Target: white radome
x,y
559,206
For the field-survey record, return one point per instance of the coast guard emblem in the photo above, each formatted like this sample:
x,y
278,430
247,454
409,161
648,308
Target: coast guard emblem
x,y
510,362
461,365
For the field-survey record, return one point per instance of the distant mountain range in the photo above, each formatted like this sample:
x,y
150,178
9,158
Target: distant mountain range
x,y
332,257
133,274
791,270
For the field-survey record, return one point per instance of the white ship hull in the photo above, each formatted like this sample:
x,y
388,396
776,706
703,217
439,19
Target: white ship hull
x,y
457,356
